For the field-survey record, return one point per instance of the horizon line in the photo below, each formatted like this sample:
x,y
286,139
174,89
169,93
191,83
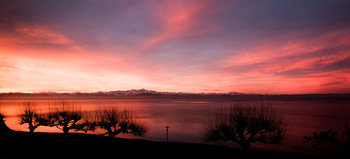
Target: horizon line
x,y
218,93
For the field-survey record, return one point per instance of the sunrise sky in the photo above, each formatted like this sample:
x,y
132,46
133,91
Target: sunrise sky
x,y
250,46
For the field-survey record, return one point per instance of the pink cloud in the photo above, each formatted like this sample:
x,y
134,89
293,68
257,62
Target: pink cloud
x,y
269,51
23,33
177,19
41,34
296,66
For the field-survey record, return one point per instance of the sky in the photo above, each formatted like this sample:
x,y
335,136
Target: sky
x,y
248,46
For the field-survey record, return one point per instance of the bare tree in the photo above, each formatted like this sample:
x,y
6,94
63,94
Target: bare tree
x,y
66,116
30,115
329,136
116,121
245,124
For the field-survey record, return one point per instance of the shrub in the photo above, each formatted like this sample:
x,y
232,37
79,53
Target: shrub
x,y
330,136
245,124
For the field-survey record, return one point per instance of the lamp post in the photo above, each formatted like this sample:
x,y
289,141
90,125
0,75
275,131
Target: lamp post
x,y
167,134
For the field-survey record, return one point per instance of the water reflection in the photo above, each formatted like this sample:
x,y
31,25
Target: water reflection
x,y
186,116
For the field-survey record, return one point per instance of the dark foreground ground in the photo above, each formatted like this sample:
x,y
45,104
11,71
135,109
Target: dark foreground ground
x,y
16,144
53,145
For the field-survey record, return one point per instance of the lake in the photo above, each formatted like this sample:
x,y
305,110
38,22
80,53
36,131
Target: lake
x,y
185,118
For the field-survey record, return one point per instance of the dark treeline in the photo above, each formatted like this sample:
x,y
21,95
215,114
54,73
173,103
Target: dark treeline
x,y
66,116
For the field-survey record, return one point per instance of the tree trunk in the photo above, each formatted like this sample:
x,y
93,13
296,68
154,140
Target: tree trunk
x,y
110,133
31,128
65,129
245,145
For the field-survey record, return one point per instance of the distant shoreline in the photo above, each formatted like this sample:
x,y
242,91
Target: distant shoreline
x,y
236,97
135,92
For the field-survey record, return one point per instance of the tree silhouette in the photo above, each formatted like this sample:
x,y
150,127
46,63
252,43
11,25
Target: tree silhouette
x,y
329,136
116,121
245,124
29,114
66,116
3,127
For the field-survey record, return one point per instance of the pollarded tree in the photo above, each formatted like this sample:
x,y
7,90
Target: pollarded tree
x,y
116,121
30,115
246,124
66,116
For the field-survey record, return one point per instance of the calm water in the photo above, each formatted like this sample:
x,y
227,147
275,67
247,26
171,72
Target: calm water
x,y
186,117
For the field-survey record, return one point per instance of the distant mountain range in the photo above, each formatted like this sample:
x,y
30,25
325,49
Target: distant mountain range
x,y
144,93
132,92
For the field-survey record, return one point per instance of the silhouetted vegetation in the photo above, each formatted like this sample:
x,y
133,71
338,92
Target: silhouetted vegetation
x,y
3,127
2,115
116,121
17,144
30,115
240,123
329,136
245,124
66,116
